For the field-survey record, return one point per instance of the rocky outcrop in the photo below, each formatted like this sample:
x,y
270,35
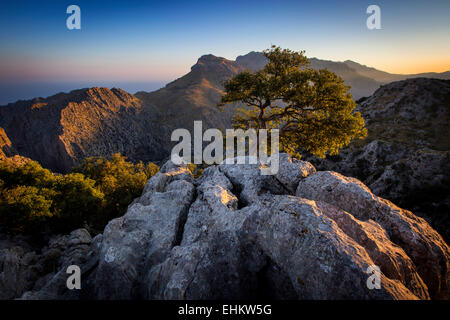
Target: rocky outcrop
x,y
5,145
33,273
420,242
413,113
406,155
236,234
7,153
144,236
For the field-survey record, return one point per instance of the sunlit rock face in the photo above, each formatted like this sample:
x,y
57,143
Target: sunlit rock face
x,y
236,234
61,130
7,153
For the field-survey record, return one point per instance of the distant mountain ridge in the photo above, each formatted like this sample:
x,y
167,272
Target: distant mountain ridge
x,y
61,130
363,80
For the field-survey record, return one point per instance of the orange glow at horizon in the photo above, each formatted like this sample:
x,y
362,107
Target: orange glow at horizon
x,y
406,67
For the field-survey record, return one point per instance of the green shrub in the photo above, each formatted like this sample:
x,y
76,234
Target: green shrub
x,y
76,201
29,174
35,201
25,209
119,180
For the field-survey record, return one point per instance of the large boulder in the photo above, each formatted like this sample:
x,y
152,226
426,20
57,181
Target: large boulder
x,y
423,244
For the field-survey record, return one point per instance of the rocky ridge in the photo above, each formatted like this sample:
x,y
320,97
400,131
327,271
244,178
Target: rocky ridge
x,y
62,130
236,234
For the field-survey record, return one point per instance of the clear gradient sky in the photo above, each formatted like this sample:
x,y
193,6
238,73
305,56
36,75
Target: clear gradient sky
x,y
149,41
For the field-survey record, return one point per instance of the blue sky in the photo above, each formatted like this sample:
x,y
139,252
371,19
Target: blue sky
x,y
155,42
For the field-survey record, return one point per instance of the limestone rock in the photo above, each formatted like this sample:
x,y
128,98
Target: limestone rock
x,y
423,244
292,170
25,272
234,233
144,235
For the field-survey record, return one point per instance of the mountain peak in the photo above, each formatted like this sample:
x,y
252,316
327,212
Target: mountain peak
x,y
209,60
252,60
211,64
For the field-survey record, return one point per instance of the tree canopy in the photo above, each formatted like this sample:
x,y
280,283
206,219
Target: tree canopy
x,y
312,109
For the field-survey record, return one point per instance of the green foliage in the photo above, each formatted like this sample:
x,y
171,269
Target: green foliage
x,y
25,209
312,108
119,180
29,174
35,201
76,201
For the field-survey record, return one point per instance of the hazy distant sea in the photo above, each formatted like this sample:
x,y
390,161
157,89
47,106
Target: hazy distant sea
x,y
11,92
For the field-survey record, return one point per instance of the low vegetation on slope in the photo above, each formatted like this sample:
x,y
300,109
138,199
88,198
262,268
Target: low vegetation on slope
x,y
35,201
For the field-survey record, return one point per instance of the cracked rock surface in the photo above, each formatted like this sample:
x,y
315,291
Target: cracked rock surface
x,y
236,234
